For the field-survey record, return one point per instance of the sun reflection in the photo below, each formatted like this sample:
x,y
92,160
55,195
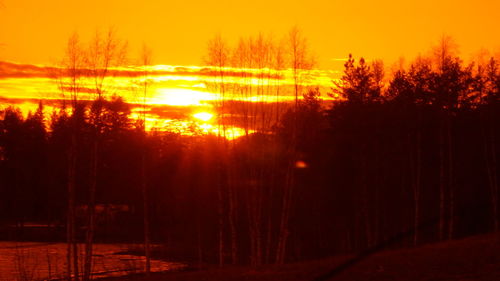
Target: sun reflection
x,y
203,116
207,128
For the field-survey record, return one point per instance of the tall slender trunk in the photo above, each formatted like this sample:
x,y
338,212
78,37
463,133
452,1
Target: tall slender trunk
x,y
290,175
145,200
416,166
365,205
68,249
232,220
89,242
72,247
377,184
70,219
269,239
494,177
416,190
252,204
146,56
451,191
269,228
255,204
251,226
491,165
285,214
442,178
258,217
220,214
198,236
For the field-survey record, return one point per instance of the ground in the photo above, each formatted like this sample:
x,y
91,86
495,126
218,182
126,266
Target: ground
x,y
474,258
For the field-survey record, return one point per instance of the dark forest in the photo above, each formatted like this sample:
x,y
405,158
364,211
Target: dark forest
x,y
407,159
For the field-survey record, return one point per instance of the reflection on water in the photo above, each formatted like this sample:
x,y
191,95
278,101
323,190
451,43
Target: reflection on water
x,y
46,261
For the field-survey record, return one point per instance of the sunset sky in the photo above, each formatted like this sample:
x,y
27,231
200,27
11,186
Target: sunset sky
x,y
35,31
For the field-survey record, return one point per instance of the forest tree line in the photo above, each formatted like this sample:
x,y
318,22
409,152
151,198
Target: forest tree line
x,y
414,152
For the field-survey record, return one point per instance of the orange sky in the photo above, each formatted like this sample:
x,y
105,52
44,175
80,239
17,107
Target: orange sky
x,y
34,31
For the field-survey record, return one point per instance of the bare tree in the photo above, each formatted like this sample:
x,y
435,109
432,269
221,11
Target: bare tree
x,y
299,62
299,59
69,79
218,57
146,56
443,56
104,53
260,64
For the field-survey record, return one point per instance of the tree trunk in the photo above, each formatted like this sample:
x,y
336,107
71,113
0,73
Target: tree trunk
x,y
72,247
198,236
145,197
89,243
232,220
491,168
285,214
365,205
494,178
70,214
220,214
451,191
442,179
416,163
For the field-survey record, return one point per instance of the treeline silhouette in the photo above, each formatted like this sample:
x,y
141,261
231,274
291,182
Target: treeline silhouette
x,y
387,156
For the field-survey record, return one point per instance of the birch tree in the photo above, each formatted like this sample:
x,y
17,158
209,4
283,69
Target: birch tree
x,y
69,79
104,53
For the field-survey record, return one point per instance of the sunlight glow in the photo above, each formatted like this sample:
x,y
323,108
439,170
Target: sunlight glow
x,y
203,116
179,99
182,97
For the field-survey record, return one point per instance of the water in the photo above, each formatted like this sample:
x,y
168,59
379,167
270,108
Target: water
x,y
47,261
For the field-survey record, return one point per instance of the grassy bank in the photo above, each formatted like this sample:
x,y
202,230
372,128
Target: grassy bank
x,y
474,258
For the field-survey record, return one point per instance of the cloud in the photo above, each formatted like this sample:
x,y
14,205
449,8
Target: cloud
x,y
85,90
14,70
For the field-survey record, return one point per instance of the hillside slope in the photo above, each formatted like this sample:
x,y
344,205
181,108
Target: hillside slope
x,y
474,258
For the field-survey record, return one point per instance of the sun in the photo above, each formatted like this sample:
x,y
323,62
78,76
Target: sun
x,y
182,97
203,116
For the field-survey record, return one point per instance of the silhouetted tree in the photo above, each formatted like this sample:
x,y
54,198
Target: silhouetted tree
x,y
104,53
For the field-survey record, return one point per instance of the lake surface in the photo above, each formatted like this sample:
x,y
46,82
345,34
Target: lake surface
x,y
47,261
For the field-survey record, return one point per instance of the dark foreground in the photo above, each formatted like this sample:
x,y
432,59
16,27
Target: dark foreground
x,y
475,258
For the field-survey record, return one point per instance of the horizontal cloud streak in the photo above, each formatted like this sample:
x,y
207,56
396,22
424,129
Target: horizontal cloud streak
x,y
175,93
14,70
